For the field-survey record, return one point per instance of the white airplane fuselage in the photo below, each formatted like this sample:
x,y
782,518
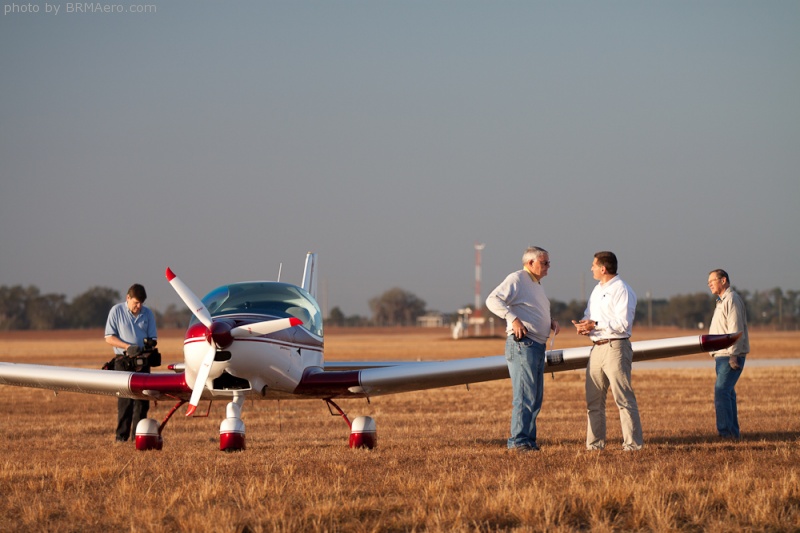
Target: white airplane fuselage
x,y
271,365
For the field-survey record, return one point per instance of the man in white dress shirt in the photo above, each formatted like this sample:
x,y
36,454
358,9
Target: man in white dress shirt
x,y
607,321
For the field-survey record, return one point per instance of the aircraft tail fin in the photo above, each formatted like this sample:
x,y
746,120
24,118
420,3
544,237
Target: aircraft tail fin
x,y
310,274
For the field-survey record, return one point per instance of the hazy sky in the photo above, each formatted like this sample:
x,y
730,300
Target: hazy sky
x,y
225,138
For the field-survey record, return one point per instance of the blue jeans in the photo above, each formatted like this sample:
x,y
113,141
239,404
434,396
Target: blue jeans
x,y
725,397
526,367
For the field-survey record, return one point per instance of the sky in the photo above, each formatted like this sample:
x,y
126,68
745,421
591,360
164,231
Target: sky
x,y
227,139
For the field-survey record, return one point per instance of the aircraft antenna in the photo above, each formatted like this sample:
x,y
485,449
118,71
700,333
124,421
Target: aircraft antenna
x,y
280,267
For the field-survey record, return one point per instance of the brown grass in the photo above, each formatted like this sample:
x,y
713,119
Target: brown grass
x,y
440,465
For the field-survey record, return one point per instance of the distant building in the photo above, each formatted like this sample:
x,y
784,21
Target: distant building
x,y
431,320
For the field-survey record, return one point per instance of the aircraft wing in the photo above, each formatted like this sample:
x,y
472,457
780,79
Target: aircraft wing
x,y
377,378
341,379
136,385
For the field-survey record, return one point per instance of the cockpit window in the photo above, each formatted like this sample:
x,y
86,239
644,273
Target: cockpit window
x,y
281,300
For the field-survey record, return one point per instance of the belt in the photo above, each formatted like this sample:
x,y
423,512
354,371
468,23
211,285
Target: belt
x,y
606,341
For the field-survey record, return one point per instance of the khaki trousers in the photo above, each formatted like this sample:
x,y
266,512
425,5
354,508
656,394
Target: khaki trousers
x,y
610,366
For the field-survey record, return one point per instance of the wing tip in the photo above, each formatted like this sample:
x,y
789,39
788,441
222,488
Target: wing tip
x,y
712,343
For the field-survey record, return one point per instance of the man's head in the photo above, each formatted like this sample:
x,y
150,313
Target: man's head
x,y
537,261
604,266
718,281
135,298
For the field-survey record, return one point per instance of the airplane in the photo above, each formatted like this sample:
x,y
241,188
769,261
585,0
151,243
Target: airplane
x,y
264,340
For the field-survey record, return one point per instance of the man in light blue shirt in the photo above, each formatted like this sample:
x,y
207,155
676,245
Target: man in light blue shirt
x,y
127,327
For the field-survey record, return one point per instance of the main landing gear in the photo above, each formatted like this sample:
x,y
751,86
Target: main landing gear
x,y
231,430
363,433
148,432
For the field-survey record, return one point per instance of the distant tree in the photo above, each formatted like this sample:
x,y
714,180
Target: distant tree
x,y
660,310
174,317
396,307
336,317
777,302
565,313
90,309
791,309
13,304
49,311
558,311
690,310
354,321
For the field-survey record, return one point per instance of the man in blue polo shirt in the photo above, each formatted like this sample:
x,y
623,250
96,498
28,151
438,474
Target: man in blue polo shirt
x,y
128,325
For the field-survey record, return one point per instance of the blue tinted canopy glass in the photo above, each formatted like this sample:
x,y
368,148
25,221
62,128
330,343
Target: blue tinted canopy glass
x,y
279,300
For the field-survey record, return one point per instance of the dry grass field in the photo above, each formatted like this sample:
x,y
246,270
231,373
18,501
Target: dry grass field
x,y
440,464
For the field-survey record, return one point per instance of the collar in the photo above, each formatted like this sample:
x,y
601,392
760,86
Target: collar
x,y
532,275
724,295
609,282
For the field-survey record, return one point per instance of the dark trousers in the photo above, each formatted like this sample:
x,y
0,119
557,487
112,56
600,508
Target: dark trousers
x,y
129,412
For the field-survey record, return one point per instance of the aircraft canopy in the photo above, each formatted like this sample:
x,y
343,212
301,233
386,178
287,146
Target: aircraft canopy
x,y
280,300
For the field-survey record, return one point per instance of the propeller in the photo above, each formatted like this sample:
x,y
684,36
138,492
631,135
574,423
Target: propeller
x,y
264,328
220,334
202,376
193,302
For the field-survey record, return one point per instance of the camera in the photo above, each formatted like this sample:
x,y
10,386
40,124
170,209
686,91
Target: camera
x,y
135,358
147,356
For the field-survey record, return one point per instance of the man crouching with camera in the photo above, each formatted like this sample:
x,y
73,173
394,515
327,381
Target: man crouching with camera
x,y
131,330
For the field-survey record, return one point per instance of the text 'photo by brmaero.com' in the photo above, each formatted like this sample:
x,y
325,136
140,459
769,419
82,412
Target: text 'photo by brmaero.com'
x,y
75,8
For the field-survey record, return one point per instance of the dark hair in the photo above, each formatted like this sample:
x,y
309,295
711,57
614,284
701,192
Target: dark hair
x,y
608,260
720,274
137,291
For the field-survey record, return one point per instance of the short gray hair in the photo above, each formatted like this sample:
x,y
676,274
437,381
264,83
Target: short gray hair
x,y
533,253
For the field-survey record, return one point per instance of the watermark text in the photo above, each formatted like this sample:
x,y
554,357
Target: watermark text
x,y
73,8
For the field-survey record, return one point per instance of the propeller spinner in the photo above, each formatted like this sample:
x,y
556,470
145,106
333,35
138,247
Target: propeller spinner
x,y
220,334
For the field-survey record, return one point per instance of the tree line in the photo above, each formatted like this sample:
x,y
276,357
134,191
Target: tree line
x,y
775,308
25,308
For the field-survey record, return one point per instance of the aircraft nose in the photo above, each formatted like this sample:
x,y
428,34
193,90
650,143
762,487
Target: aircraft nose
x,y
220,333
